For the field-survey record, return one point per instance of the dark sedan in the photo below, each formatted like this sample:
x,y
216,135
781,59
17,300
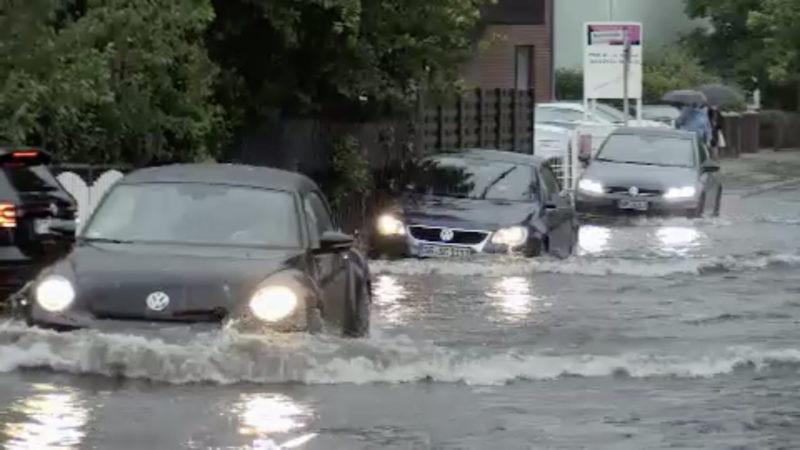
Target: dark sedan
x,y
253,248
644,170
479,201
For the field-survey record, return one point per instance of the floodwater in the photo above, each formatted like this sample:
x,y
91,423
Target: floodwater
x,y
660,333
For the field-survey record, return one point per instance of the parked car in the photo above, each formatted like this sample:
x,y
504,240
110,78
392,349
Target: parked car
x,y
249,247
666,114
575,112
460,204
649,170
37,217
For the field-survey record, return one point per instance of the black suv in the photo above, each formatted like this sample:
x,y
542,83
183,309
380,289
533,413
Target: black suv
x,y
37,217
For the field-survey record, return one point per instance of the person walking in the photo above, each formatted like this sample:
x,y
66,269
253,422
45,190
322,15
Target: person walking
x,y
694,118
717,122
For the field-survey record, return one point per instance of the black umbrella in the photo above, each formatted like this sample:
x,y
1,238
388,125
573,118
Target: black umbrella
x,y
685,97
721,96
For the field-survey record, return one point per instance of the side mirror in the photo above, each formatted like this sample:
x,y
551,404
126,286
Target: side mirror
x,y
552,202
710,167
584,158
334,242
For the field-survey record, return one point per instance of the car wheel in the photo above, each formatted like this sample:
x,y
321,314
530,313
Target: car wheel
x,y
535,247
356,320
718,203
698,212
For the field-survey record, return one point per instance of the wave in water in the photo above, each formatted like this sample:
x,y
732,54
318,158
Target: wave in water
x,y
647,268
229,358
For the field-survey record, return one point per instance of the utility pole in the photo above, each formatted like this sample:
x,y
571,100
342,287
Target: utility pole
x,y
610,10
626,74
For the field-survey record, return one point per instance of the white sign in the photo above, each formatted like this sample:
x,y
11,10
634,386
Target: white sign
x,y
604,60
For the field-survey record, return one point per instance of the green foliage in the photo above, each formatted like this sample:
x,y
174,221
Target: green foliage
x,y
664,69
778,25
668,68
108,80
349,59
569,84
351,170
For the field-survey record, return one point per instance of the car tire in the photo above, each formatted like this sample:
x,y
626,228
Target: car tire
x,y
718,203
698,212
535,247
357,313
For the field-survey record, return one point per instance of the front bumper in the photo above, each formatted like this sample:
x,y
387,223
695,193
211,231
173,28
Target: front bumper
x,y
608,204
407,246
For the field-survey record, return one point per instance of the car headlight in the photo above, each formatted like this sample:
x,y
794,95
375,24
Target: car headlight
x,y
592,187
54,293
274,303
389,225
677,193
511,236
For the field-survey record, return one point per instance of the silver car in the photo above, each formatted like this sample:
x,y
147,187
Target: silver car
x,y
650,170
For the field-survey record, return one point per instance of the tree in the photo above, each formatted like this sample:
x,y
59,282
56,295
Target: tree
x,y
108,80
668,68
778,25
348,59
569,84
730,48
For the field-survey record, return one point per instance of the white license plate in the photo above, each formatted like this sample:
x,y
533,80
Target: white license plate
x,y
442,251
42,226
637,205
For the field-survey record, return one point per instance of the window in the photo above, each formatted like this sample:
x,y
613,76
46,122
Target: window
x,y
523,62
549,114
194,213
654,150
551,184
319,220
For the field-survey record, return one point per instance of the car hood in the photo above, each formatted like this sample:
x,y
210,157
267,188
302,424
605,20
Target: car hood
x,y
113,281
648,177
466,214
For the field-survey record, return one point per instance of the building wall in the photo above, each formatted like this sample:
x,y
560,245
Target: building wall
x,y
663,22
494,62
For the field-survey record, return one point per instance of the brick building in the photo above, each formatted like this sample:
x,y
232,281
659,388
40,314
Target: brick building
x,y
514,48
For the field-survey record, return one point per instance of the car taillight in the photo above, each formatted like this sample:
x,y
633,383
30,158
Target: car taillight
x,y
8,215
25,154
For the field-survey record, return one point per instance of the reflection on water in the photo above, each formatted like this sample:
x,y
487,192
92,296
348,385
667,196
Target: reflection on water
x,y
388,295
678,240
512,296
593,238
263,416
51,418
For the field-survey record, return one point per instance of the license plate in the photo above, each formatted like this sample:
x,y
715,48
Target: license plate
x,y
42,226
442,251
637,205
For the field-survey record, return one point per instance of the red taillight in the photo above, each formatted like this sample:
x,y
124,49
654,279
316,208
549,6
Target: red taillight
x,y
25,154
8,215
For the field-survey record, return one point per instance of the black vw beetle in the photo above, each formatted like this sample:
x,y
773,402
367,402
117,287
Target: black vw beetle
x,y
249,247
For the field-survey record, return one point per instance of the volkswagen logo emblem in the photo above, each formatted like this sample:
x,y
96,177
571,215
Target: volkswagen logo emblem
x,y
634,191
447,234
158,301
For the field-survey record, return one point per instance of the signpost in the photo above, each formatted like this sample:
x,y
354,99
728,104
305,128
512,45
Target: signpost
x,y
612,64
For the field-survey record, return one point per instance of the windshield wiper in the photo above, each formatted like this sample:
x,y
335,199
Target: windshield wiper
x,y
108,241
497,180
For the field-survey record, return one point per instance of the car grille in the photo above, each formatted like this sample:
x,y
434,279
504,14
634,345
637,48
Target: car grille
x,y
642,192
433,234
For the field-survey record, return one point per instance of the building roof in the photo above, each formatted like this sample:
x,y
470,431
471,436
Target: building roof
x,y
229,174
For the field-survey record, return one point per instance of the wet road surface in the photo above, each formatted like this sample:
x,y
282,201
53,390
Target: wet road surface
x,y
661,333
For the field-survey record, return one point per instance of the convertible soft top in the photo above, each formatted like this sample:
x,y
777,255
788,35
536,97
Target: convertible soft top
x,y
230,174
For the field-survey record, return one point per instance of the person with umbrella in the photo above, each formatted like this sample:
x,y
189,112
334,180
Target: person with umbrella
x,y
694,116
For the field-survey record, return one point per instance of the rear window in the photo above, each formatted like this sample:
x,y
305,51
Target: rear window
x,y
31,178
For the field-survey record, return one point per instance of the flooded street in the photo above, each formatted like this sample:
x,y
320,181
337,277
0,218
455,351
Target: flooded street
x,y
660,333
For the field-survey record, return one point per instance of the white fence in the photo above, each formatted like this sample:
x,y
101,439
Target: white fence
x,y
87,196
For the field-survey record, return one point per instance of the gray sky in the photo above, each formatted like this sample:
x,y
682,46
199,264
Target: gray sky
x,y
662,22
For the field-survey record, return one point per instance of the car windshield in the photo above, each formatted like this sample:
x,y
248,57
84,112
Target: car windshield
x,y
192,213
648,150
474,178
610,114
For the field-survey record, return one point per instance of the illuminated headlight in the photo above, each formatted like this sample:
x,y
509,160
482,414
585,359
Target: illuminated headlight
x,y
678,193
389,225
54,294
273,303
511,236
592,187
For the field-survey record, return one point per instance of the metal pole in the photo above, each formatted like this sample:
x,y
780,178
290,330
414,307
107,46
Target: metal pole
x,y
626,75
610,9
